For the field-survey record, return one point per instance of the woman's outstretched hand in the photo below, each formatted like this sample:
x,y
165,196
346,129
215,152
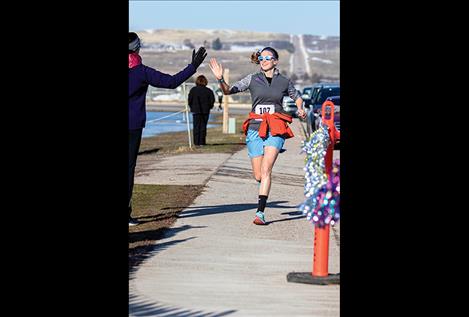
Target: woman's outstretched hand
x,y
216,68
198,58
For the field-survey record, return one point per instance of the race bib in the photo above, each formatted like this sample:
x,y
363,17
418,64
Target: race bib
x,y
261,109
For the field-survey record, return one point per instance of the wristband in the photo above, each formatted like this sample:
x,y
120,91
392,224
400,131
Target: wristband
x,y
221,80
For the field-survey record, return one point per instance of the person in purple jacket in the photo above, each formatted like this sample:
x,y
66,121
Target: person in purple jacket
x,y
140,76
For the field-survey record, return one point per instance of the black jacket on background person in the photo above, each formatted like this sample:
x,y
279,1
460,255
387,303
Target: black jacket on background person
x,y
201,99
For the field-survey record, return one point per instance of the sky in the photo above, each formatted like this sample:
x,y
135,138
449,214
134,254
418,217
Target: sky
x,y
292,17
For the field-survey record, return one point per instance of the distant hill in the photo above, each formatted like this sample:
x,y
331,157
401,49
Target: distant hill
x,y
199,36
170,50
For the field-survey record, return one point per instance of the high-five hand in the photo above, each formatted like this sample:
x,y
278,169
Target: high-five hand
x,y
216,68
198,58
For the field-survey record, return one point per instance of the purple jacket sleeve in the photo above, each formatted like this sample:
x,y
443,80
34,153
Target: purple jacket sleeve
x,y
161,80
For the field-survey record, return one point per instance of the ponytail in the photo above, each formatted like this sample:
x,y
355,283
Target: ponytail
x,y
254,57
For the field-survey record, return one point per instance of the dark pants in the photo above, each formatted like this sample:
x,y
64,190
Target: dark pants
x,y
135,136
200,128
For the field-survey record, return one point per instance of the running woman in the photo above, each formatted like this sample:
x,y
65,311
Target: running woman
x,y
267,126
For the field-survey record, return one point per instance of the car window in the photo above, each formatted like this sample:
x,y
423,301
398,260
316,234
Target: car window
x,y
314,93
327,92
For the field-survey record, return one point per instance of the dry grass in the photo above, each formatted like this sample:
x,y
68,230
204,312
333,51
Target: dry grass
x,y
217,141
328,70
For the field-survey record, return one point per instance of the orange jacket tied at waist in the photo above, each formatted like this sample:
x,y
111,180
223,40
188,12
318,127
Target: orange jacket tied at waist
x,y
276,122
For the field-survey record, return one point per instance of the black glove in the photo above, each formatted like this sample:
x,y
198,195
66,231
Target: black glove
x,y
198,58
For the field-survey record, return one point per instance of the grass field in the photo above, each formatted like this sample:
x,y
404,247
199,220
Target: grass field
x,y
177,142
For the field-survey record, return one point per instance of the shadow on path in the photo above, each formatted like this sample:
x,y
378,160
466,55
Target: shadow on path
x,y
149,151
139,307
286,219
138,254
157,234
211,210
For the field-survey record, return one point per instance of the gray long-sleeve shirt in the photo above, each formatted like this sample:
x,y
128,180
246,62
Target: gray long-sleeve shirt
x,y
265,97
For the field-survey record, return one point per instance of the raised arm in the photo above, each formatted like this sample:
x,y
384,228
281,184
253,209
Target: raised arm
x,y
162,80
217,70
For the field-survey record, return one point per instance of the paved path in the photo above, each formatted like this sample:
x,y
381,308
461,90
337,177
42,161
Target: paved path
x,y
215,262
185,169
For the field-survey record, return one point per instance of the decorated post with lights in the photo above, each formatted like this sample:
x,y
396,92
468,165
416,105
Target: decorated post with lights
x,y
322,191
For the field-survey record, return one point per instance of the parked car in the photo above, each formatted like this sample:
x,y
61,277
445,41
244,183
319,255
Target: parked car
x,y
289,106
336,101
320,92
313,119
306,96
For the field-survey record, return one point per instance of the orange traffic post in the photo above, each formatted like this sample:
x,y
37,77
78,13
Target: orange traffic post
x,y
321,251
321,235
320,274
334,134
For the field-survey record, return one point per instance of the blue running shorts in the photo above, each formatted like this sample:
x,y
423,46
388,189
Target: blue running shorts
x,y
256,144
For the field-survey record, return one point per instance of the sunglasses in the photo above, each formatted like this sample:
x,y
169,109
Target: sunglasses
x,y
267,58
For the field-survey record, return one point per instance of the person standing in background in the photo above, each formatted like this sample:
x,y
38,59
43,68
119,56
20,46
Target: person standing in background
x,y
220,98
140,77
201,100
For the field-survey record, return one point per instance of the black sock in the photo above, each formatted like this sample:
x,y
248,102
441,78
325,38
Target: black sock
x,y
262,203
